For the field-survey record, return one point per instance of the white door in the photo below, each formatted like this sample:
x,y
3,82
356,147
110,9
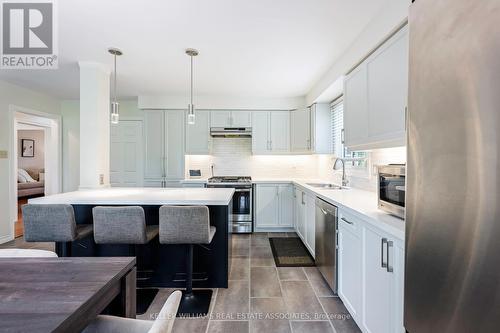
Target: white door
x,y
126,154
287,202
280,131
355,107
300,137
174,145
310,223
198,134
260,132
220,119
241,119
377,285
154,142
267,205
350,269
388,89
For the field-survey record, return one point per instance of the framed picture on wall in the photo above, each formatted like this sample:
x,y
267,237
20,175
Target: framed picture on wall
x,y
28,148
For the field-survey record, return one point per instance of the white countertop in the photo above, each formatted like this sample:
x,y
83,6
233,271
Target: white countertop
x,y
360,203
141,196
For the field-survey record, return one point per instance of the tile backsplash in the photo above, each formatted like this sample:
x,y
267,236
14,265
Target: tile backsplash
x,y
233,156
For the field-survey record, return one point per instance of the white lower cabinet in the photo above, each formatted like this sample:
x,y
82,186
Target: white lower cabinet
x,y
350,265
371,274
310,223
305,218
300,213
274,206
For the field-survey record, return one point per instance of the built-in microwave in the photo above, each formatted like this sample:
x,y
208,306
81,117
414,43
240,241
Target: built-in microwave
x,y
391,189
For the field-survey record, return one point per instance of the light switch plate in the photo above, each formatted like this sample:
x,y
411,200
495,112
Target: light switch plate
x,y
4,154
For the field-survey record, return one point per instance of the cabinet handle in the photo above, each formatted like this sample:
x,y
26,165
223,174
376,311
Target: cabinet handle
x,y
347,221
389,267
271,145
303,202
342,136
382,263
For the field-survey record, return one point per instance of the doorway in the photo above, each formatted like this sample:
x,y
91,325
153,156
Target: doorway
x,y
30,168
35,168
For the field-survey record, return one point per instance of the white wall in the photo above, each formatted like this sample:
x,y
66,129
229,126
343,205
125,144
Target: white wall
x,y
233,156
363,179
70,111
37,161
14,95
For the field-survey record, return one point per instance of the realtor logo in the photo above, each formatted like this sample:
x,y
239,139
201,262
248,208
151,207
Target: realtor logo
x,y
28,35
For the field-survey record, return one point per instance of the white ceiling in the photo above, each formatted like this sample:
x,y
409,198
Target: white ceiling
x,y
277,48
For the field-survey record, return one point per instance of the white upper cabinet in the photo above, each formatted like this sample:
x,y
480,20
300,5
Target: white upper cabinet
x,y
387,72
280,131
198,134
375,97
300,127
270,132
321,134
220,119
231,119
260,132
310,130
241,119
355,107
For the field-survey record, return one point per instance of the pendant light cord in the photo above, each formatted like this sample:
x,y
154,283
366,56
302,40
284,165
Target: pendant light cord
x,y
115,78
191,81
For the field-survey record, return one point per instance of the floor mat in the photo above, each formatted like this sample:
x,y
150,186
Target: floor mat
x,y
290,252
145,296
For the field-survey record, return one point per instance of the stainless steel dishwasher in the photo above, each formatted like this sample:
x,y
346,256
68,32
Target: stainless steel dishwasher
x,y
326,241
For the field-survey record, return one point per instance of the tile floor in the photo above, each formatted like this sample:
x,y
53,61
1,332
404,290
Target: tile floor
x,y
261,297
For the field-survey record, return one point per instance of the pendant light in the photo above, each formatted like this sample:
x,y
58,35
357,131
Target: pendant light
x,y
115,106
191,117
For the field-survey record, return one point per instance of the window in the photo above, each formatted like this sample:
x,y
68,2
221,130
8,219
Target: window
x,y
359,159
337,126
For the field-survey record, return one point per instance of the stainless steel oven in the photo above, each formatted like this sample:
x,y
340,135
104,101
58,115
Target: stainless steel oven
x,y
242,215
391,189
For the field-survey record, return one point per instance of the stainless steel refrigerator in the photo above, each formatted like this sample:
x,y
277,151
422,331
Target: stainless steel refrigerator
x,y
452,274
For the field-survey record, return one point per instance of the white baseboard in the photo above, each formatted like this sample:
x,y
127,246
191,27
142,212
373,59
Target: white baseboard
x,y
5,239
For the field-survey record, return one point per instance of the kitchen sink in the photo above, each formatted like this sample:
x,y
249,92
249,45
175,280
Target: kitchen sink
x,y
326,186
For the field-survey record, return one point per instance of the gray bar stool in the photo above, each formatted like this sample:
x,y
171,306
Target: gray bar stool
x,y
188,225
53,223
122,225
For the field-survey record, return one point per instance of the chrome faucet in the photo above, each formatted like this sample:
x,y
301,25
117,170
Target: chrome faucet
x,y
345,181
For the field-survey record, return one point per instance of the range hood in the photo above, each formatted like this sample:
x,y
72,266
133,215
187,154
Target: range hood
x,y
231,132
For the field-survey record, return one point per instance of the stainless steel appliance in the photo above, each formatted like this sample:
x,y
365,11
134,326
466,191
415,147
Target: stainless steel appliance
x,y
452,273
231,132
391,189
326,241
241,218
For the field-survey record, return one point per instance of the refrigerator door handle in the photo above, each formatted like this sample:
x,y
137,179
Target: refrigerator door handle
x,y
382,243
390,269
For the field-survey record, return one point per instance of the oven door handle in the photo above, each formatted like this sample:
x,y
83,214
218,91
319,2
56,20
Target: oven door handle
x,y
242,190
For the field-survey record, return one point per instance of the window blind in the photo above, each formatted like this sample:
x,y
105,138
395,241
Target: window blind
x,y
337,125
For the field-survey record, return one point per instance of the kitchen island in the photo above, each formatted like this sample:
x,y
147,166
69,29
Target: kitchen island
x,y
158,265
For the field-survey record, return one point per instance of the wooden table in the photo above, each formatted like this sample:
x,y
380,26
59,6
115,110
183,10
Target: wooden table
x,y
64,294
